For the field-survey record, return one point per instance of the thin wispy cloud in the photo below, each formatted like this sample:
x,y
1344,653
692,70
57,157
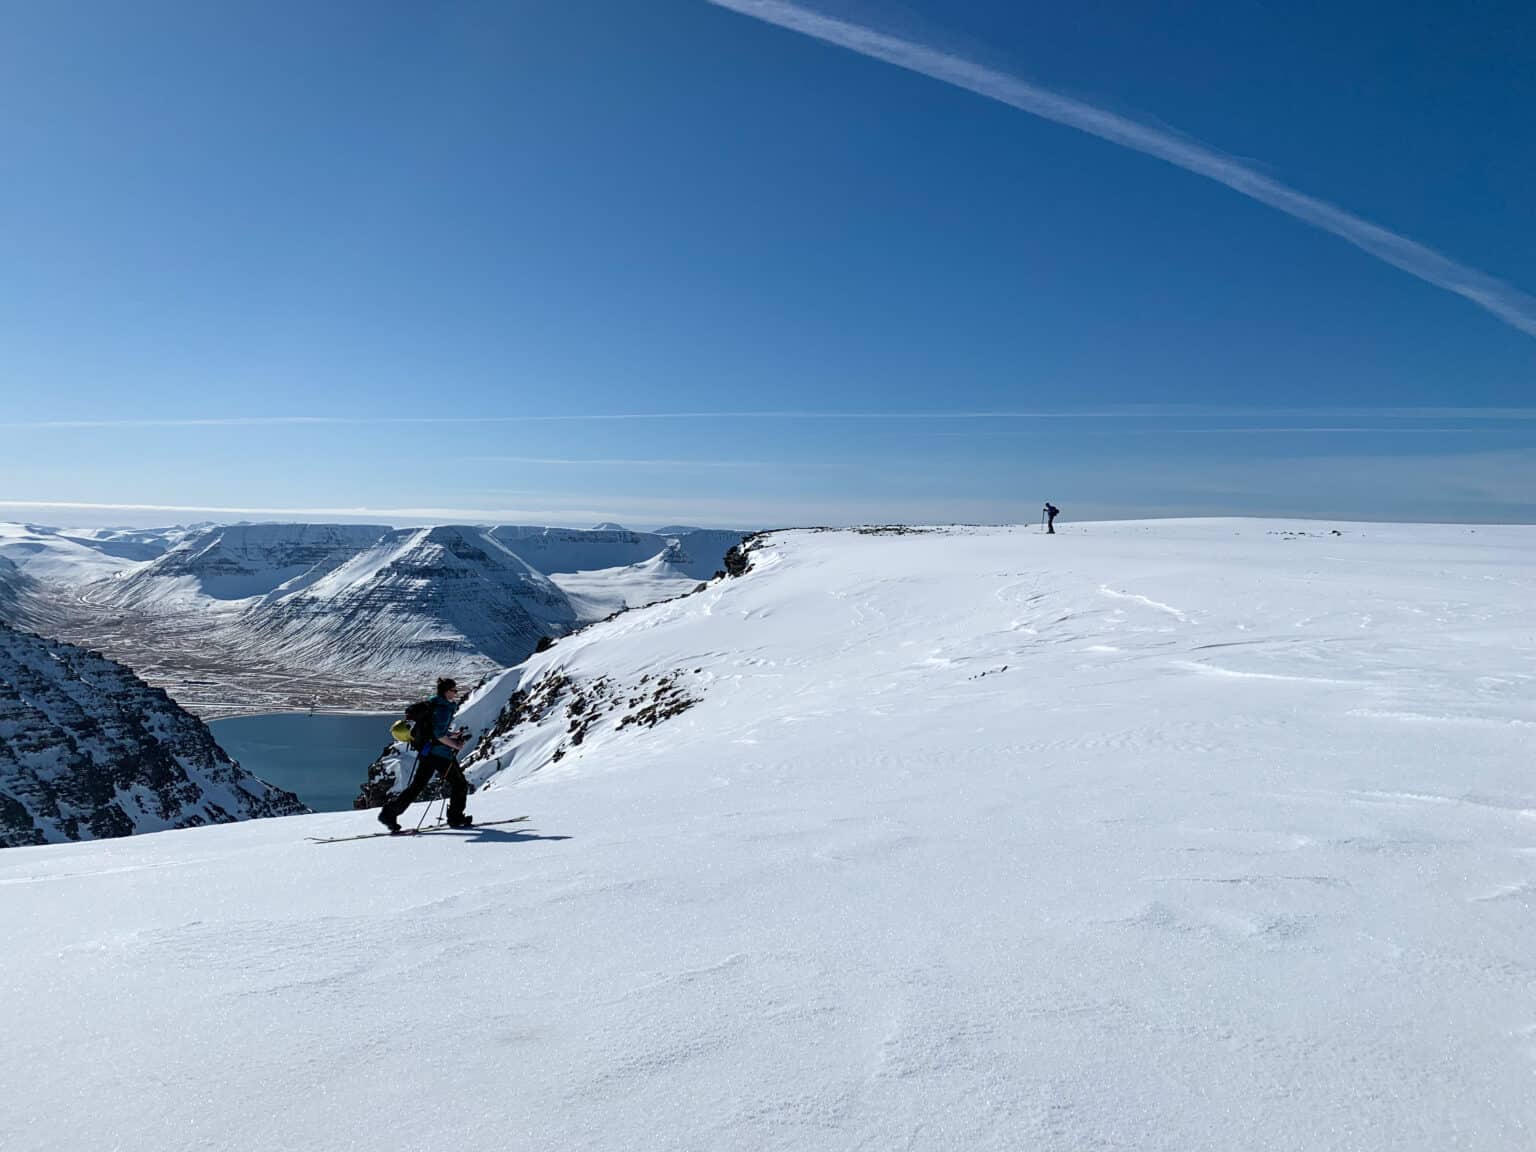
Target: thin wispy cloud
x,y
1308,430
1514,307
571,418
366,513
1125,411
700,512
568,462
1358,412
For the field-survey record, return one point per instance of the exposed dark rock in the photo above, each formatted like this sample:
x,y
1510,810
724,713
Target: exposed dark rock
x,y
891,530
666,700
739,559
88,750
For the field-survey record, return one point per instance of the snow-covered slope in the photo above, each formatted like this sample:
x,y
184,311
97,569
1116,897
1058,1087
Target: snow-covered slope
x,y
239,561
598,595
88,750
421,602
1176,837
72,557
557,550
700,552
15,588
135,545
286,614
695,552
270,616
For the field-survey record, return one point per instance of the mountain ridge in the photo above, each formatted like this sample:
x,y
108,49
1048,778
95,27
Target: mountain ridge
x,y
276,616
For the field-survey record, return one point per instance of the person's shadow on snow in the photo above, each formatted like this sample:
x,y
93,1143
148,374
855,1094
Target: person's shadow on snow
x,y
473,835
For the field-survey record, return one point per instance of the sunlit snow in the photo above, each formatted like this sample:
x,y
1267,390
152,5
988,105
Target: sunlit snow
x,y
1201,835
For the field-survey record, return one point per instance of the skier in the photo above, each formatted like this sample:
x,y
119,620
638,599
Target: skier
x,y
1050,512
437,752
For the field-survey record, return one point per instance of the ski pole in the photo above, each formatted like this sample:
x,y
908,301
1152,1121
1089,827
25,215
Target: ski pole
x,y
425,808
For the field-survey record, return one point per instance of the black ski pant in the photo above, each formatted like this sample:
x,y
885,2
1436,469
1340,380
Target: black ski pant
x,y
453,774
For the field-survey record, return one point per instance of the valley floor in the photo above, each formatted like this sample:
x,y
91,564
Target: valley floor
x,y
210,669
213,667
1199,835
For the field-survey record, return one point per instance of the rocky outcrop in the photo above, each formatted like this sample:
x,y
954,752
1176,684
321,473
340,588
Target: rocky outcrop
x,y
89,751
738,559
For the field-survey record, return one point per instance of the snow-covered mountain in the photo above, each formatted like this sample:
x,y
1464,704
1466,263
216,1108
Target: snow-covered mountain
x,y
134,545
71,557
88,751
555,551
421,602
236,617
700,552
598,595
1190,836
238,562
694,552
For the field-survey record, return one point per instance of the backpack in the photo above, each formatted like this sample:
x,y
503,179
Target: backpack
x,y
419,717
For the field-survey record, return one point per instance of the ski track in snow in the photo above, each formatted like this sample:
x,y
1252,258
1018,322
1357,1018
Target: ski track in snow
x,y
1174,836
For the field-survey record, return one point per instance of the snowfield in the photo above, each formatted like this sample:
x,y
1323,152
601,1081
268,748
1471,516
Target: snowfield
x,y
1181,835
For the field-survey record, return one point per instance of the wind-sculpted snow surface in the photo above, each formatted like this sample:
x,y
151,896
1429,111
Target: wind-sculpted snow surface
x,y
1176,837
88,751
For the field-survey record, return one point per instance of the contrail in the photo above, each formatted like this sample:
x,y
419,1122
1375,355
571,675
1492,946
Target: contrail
x,y
1508,303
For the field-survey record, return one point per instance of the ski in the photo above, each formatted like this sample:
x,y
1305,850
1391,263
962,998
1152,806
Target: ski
x,y
415,831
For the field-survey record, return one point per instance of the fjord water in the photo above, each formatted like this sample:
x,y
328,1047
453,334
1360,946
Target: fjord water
x,y
321,758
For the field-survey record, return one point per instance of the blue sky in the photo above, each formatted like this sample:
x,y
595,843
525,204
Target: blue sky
x,y
571,260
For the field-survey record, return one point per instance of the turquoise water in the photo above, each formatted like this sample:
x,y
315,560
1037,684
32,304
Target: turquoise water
x,y
321,759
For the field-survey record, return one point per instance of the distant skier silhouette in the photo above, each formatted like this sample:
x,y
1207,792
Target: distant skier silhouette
x,y
437,747
1050,512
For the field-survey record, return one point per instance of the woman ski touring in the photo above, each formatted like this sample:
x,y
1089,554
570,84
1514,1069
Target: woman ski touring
x,y
437,747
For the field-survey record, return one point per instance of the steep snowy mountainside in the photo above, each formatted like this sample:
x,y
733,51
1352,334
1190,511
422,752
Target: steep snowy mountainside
x,y
1176,837
15,587
239,561
598,595
252,617
561,551
556,551
419,603
88,750
700,552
